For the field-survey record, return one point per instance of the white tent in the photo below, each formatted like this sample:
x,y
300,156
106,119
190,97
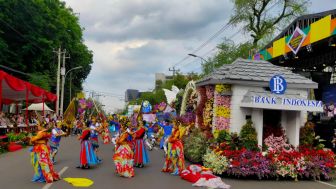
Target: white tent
x,y
39,107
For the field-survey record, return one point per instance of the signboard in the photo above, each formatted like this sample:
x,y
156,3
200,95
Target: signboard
x,y
286,101
278,84
296,40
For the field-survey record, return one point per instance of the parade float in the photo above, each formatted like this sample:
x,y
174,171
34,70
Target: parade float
x,y
255,127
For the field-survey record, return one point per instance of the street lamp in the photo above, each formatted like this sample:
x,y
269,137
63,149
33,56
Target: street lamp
x,y
62,97
212,65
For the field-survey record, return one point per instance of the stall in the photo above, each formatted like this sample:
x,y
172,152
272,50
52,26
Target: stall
x,y
14,90
257,90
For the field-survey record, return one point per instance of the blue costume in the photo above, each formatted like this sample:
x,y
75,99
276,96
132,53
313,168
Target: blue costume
x,y
167,132
114,126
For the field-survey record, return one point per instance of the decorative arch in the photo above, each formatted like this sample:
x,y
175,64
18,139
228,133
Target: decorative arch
x,y
189,91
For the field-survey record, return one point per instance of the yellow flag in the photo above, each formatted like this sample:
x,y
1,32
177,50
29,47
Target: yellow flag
x,y
69,115
80,95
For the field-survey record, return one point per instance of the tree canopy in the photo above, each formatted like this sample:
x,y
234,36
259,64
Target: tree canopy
x,y
260,17
31,30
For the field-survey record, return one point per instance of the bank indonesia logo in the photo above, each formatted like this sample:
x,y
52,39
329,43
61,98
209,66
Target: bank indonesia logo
x,y
278,84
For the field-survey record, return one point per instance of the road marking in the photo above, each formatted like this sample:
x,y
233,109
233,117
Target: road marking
x,y
155,148
326,184
47,186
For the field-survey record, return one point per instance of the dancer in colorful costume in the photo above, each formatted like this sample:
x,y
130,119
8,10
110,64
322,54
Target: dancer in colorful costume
x,y
95,129
140,152
106,133
123,156
56,136
87,155
167,128
174,162
41,157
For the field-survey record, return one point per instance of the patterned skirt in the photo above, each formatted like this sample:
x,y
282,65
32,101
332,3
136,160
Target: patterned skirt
x,y
87,154
123,160
140,153
174,162
42,163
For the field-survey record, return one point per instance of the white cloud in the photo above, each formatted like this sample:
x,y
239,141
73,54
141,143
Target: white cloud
x,y
133,39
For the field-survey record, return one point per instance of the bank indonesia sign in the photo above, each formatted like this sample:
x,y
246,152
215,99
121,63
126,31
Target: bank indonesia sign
x,y
278,84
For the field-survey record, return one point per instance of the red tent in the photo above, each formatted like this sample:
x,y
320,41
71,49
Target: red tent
x,y
13,89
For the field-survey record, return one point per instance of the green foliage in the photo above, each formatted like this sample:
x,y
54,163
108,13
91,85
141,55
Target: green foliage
x,y
14,137
195,146
248,136
223,136
228,52
40,80
307,134
260,18
216,162
31,30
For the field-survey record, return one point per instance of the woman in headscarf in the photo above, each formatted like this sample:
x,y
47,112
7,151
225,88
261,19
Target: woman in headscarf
x,y
41,157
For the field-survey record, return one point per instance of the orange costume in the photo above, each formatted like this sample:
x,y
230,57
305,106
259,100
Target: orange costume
x,y
41,159
174,162
123,157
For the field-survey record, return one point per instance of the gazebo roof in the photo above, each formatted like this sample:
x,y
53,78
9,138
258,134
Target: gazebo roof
x,y
256,73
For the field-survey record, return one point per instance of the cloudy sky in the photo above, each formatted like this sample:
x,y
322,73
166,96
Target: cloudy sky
x,y
133,39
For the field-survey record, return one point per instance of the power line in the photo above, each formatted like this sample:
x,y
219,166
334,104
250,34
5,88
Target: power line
x,y
216,34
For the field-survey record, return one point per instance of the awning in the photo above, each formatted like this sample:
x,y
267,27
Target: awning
x,y
13,89
288,101
38,107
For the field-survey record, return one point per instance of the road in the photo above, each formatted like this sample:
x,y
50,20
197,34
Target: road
x,y
16,172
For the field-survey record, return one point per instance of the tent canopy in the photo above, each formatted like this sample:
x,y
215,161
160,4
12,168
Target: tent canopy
x,y
13,89
38,107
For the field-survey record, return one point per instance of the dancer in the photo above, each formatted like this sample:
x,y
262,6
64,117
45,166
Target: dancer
x,y
87,155
141,155
174,162
167,128
41,158
56,135
106,133
123,156
95,129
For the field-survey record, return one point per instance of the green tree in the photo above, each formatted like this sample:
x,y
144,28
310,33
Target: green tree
x,y
260,18
228,52
31,30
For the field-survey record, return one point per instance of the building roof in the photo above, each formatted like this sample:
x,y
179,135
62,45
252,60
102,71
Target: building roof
x,y
254,73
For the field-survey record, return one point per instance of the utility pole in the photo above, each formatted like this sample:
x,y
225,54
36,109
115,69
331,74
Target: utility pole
x,y
174,70
58,79
63,81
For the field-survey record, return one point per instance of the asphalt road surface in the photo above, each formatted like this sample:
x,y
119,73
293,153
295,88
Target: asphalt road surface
x,y
16,173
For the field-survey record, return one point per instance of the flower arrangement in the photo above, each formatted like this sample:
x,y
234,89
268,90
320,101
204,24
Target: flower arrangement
x,y
160,107
277,143
200,107
208,113
216,162
222,88
209,91
195,146
222,105
221,111
248,136
221,100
